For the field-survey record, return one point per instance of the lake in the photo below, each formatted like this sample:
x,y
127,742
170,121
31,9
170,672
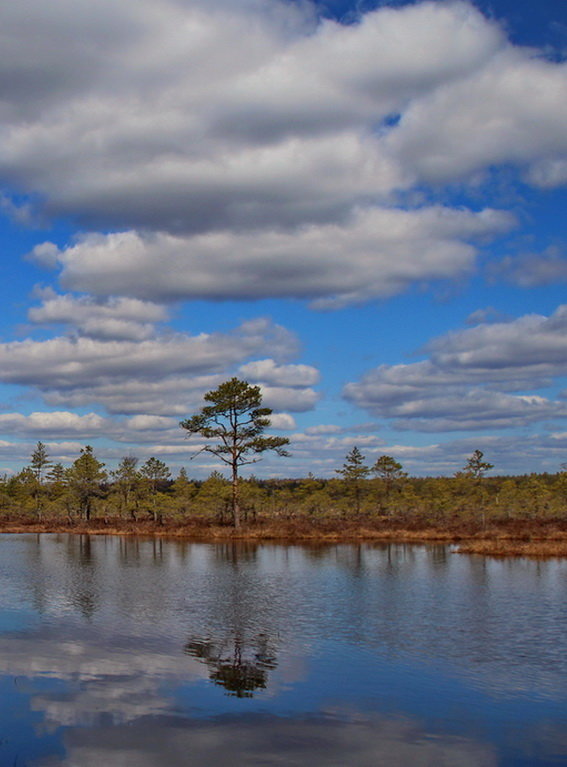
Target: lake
x,y
135,652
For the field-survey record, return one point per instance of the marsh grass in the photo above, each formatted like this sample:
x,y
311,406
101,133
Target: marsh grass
x,y
534,538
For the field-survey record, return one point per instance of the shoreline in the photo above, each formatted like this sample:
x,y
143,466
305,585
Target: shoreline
x,y
512,539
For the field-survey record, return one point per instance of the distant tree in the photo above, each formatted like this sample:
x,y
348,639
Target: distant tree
x,y
85,477
390,472
156,474
561,485
182,475
38,463
476,467
353,471
312,494
214,496
236,420
23,489
127,478
184,490
475,490
388,469
56,474
56,481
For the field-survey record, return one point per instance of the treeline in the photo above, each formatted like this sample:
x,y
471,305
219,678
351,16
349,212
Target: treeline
x,y
135,491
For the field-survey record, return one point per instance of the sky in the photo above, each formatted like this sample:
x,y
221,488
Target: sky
x,y
358,206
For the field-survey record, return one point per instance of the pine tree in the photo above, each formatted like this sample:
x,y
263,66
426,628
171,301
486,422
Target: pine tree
x,y
38,463
476,467
85,478
389,471
353,472
127,478
237,421
156,474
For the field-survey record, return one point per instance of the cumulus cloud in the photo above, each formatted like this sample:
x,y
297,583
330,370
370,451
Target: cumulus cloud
x,y
55,423
21,213
324,428
117,318
161,375
283,421
267,371
158,115
532,269
488,314
468,379
387,251
289,398
510,111
59,424
255,134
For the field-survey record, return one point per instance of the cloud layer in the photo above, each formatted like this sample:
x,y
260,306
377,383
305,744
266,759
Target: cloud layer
x,y
261,141
377,254
115,357
476,378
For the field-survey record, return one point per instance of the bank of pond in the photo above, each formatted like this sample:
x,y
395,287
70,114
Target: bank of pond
x,y
540,539
500,515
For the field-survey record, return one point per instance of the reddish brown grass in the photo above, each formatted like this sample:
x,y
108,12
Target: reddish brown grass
x,y
544,538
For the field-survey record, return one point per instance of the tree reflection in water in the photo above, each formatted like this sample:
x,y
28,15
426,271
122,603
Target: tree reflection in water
x,y
240,669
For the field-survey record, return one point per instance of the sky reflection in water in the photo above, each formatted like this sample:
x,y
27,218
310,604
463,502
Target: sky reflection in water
x,y
125,652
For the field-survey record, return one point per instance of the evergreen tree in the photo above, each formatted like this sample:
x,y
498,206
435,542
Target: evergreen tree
x,y
389,471
474,470
354,470
184,490
476,467
236,420
85,478
39,462
156,474
127,479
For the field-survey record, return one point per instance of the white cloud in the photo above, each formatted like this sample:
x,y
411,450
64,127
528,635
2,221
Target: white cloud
x,y
326,428
116,318
269,372
173,116
289,398
512,110
161,375
466,382
46,254
533,343
283,421
55,424
532,269
387,251
252,140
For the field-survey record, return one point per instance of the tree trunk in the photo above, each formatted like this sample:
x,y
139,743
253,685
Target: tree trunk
x,y
235,500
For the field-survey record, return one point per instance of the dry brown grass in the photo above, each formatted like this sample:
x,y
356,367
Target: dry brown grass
x,y
507,538
514,548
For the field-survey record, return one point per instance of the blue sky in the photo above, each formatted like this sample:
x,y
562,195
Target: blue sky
x,y
359,206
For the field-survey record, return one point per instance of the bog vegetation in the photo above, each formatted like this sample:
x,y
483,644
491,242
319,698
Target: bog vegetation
x,y
364,500
359,494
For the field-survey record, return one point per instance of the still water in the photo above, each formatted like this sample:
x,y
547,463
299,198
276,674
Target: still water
x,y
138,653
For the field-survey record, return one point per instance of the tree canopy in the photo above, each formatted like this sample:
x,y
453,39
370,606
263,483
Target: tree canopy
x,y
235,420
476,467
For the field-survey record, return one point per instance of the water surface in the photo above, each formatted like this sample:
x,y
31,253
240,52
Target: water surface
x,y
118,651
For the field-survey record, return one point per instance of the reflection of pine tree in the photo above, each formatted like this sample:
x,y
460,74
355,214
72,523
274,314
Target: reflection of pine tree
x,y
239,669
